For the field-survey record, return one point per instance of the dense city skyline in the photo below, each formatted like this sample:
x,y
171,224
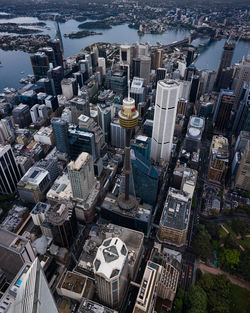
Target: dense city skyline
x,y
124,166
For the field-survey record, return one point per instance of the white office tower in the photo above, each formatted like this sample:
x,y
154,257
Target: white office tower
x,y
6,133
102,64
43,111
242,75
34,113
185,89
142,49
34,295
167,96
81,175
126,55
111,272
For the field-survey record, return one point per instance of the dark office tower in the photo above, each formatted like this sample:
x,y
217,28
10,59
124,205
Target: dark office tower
x,y
160,74
61,221
242,119
56,45
78,107
194,88
40,65
56,76
190,72
79,78
226,78
9,173
21,115
106,112
51,102
93,59
190,56
60,132
137,90
50,54
225,62
119,82
102,53
222,114
46,85
136,67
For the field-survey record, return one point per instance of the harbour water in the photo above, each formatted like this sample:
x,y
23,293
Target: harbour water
x,y
15,62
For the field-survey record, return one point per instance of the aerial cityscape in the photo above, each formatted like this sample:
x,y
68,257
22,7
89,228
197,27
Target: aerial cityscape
x,y
124,156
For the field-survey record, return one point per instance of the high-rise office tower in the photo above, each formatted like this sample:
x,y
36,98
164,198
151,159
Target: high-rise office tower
x,y
34,295
78,107
34,113
9,173
81,175
15,251
7,134
50,54
137,90
243,76
195,83
111,271
46,85
126,55
106,113
190,56
160,74
40,65
128,118
242,119
56,76
222,114
51,102
21,115
60,224
118,134
58,51
156,59
102,64
60,133
69,88
242,179
167,96
119,82
226,59
81,141
142,67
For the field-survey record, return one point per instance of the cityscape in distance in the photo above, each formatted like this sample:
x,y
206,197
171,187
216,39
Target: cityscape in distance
x,y
124,156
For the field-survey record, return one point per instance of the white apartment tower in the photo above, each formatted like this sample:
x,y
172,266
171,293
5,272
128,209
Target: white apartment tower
x,y
34,295
81,175
111,271
167,96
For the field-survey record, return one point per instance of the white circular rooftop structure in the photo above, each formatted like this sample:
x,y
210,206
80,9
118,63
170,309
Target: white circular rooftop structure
x,y
196,122
194,132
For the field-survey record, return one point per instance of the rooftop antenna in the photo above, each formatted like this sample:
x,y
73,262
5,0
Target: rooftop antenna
x,y
128,82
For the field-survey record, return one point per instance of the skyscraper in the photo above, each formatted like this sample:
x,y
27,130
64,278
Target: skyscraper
x,y
106,113
34,295
58,50
167,96
81,175
221,118
243,76
40,65
9,173
242,179
21,115
226,59
60,132
111,271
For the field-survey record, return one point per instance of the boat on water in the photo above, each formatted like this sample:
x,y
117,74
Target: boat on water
x,y
21,72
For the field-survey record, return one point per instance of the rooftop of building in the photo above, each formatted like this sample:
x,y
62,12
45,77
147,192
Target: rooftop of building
x,y
168,83
20,108
61,189
58,214
88,306
73,282
40,207
34,177
15,218
78,164
176,210
44,131
68,81
12,241
4,149
196,122
110,258
219,147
